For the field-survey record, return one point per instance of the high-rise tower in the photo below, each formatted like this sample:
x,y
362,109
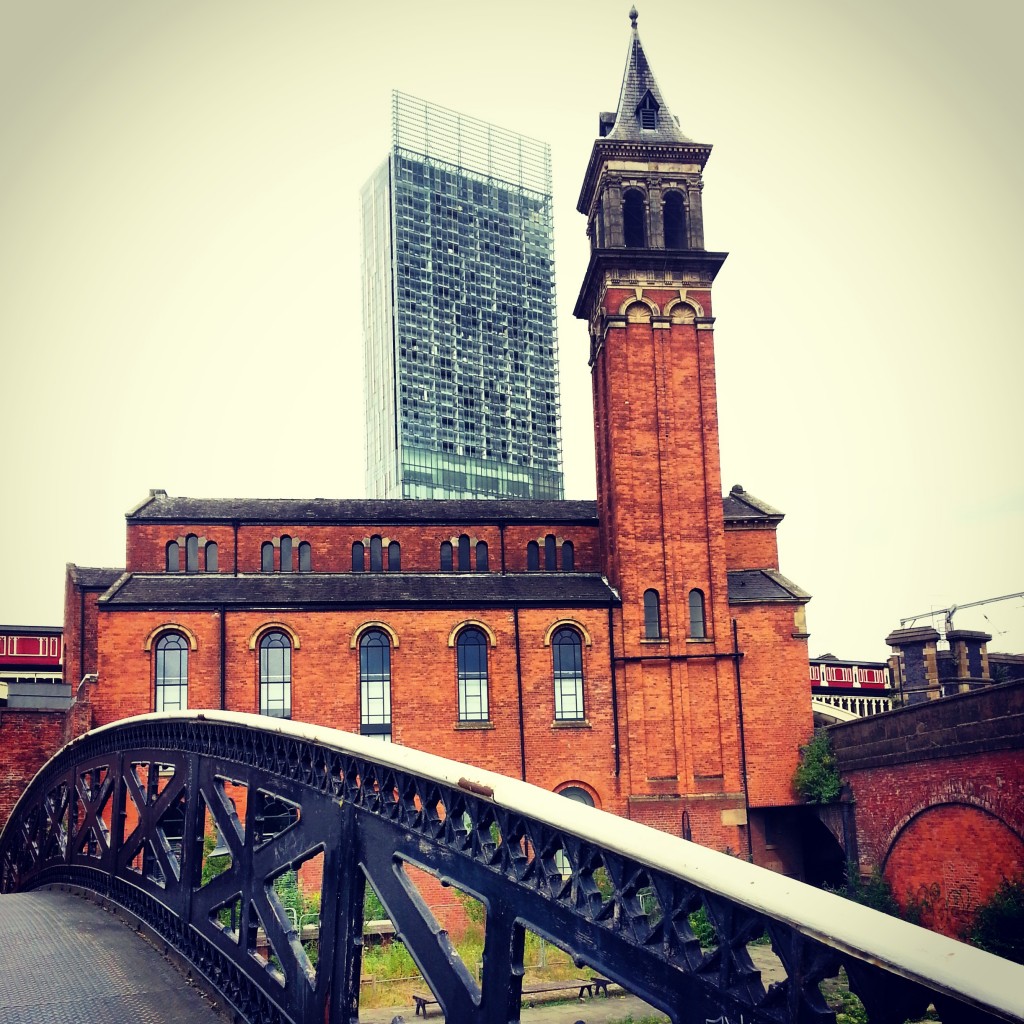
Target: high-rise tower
x,y
459,312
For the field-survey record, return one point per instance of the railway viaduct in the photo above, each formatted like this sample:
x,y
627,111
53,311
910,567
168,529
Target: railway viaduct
x,y
938,790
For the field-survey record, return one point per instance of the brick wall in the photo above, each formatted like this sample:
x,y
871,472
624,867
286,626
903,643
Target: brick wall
x,y
331,544
27,741
751,549
939,792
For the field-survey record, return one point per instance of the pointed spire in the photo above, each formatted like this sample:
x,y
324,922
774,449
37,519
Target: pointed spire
x,y
643,114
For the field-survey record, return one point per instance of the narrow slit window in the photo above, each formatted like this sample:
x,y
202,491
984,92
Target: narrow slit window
x,y
211,556
550,553
305,557
267,557
532,556
652,615
376,554
464,565
173,557
698,629
394,556
481,556
191,553
446,556
286,554
358,556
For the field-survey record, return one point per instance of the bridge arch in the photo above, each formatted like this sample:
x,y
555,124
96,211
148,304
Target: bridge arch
x,y
615,894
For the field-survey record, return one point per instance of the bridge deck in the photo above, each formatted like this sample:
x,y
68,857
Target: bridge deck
x,y
66,960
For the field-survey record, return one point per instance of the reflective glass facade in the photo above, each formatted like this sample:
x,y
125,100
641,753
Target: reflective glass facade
x,y
459,312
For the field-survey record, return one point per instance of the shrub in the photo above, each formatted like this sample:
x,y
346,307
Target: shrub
x,y
999,924
817,776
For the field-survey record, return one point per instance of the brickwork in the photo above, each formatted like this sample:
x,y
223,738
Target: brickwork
x,y
751,549
939,792
28,739
331,545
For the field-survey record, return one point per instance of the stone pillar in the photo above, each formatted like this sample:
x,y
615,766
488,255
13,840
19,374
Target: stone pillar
x,y
695,215
612,203
655,217
969,650
915,664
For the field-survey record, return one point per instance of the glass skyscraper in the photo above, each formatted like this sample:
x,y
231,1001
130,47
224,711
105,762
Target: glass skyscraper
x,y
459,312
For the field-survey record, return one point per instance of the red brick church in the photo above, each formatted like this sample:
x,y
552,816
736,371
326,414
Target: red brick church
x,y
642,652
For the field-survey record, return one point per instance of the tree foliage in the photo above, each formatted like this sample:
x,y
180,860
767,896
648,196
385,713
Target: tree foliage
x,y
817,776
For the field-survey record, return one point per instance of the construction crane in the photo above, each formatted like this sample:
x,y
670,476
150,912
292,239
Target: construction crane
x,y
949,612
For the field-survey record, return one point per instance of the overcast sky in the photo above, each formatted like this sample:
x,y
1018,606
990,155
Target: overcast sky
x,y
179,259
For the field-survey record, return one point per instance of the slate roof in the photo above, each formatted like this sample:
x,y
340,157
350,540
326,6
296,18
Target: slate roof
x,y
84,576
739,506
637,80
160,506
371,590
753,586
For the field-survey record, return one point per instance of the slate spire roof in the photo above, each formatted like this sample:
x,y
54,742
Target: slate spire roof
x,y
640,88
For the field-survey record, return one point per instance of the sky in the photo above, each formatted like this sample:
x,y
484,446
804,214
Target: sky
x,y
179,264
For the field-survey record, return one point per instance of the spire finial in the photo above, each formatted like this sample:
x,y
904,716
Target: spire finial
x,y
633,15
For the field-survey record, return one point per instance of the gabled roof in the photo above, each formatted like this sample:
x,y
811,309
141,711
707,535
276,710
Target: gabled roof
x,y
741,508
757,586
637,81
159,506
362,590
94,579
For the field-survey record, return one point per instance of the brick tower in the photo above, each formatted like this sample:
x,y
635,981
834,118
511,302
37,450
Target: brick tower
x,y
647,299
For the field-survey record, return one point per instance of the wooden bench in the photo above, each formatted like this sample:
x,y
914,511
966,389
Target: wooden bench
x,y
560,986
423,1000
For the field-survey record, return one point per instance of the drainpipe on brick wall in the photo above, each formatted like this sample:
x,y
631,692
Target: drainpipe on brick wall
x,y
501,533
234,528
519,688
615,695
223,658
743,742
81,633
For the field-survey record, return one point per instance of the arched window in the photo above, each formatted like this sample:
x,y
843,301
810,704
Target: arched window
x,y
286,554
211,556
567,662
305,557
532,556
674,213
276,676
358,556
267,557
191,553
633,229
375,684
394,556
568,556
577,793
173,557
472,657
481,556
171,673
446,556
550,553
697,628
464,565
652,615
376,554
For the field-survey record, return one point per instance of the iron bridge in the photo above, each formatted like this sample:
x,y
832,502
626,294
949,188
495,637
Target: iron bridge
x,y
190,821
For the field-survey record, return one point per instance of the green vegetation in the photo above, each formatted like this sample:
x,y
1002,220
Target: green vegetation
x,y
999,923
817,776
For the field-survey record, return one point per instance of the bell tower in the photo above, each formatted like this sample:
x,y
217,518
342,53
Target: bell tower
x,y
646,298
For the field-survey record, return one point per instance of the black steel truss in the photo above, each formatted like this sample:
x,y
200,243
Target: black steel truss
x,y
130,813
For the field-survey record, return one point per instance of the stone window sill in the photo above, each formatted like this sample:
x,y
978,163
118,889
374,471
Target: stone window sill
x,y
571,723
470,726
